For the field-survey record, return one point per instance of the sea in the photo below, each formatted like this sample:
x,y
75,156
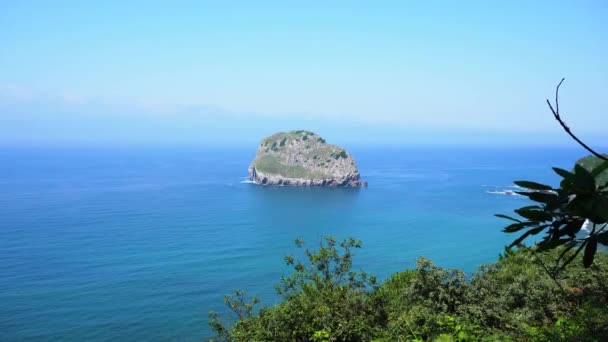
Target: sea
x,y
138,243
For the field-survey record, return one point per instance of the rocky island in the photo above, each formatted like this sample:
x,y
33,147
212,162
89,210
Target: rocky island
x,y
303,158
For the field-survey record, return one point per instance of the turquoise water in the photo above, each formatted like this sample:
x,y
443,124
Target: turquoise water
x,y
103,244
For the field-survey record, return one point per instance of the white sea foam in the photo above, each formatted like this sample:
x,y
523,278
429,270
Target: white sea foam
x,y
247,181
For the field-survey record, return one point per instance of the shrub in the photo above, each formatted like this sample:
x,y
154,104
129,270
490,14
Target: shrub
x,y
322,300
338,155
513,299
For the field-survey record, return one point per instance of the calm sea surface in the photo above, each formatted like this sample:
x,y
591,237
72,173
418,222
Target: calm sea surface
x,y
100,244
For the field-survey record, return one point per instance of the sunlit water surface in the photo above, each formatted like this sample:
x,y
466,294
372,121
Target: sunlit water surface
x,y
100,244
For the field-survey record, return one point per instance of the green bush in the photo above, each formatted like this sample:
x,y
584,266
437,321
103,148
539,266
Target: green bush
x,y
513,299
324,300
338,155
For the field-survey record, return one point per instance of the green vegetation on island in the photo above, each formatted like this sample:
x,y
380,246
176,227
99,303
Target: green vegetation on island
x,y
271,165
302,158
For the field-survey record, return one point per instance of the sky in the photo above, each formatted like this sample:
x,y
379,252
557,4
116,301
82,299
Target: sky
x,y
369,72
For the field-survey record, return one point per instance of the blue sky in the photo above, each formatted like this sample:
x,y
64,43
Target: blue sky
x,y
398,72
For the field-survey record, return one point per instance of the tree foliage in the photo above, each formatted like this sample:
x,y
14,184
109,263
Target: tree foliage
x,y
513,299
561,213
323,299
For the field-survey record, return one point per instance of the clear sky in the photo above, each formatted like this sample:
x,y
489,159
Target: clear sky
x,y
354,71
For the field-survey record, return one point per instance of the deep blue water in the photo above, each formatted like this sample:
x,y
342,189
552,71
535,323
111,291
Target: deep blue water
x,y
102,244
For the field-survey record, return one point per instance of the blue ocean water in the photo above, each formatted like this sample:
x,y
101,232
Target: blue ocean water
x,y
139,243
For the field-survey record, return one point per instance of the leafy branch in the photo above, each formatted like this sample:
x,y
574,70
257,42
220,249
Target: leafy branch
x,y
564,213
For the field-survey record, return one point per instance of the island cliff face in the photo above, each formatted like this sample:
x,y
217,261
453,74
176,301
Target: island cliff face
x,y
302,158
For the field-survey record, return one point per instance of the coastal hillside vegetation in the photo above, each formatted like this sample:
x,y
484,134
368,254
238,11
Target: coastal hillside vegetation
x,y
513,299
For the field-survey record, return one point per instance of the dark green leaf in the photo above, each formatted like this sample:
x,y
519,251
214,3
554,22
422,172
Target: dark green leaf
x,y
589,253
602,238
519,239
515,227
569,260
563,173
533,185
599,209
539,229
532,231
599,169
507,217
572,227
551,244
543,197
594,208
583,179
567,176
567,247
532,207
535,215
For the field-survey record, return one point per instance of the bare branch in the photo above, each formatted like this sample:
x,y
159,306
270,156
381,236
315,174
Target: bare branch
x,y
557,116
557,95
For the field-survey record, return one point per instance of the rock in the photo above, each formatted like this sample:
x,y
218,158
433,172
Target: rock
x,y
302,158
